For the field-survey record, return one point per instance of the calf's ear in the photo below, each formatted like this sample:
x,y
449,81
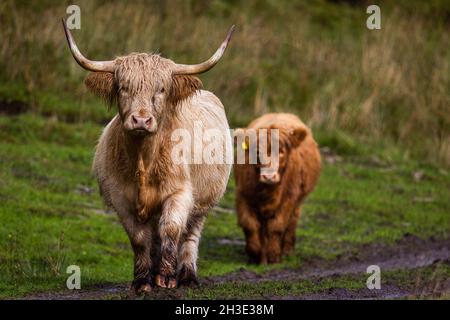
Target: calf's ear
x,y
297,135
183,87
102,84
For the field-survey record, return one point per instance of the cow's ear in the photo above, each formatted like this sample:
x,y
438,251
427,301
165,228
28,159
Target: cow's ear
x,y
297,135
102,84
183,87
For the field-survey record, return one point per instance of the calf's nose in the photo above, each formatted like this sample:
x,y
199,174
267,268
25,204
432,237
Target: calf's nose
x,y
269,177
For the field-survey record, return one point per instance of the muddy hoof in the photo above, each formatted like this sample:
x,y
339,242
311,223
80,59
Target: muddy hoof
x,y
141,287
273,259
253,260
254,257
165,281
187,277
288,251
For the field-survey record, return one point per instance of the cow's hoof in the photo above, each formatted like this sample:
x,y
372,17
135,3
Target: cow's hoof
x,y
165,281
141,287
144,289
288,251
187,277
271,259
254,257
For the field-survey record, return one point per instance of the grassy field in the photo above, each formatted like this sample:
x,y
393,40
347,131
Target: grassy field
x,y
52,215
377,101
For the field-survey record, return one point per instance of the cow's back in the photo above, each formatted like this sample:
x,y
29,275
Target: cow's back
x,y
209,180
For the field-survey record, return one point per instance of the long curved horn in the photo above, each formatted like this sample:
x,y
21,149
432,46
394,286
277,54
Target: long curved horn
x,y
208,64
99,66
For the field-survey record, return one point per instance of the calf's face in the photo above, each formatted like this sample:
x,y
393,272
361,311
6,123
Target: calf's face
x,y
271,164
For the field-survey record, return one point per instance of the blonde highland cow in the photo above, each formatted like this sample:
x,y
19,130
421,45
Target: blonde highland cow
x,y
161,204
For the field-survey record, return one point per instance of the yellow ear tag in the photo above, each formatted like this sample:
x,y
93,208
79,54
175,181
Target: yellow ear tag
x,y
244,145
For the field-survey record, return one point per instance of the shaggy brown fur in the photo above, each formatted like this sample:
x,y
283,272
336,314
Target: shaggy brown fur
x,y
268,213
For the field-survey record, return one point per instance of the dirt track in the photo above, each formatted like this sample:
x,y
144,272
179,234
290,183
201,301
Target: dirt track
x,y
410,253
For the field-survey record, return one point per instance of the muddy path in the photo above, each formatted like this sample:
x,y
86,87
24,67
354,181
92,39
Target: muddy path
x,y
408,254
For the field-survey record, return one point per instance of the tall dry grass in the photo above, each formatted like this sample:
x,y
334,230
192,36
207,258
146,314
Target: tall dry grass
x,y
315,58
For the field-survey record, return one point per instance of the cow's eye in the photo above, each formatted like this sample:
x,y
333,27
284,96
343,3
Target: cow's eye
x,y
162,90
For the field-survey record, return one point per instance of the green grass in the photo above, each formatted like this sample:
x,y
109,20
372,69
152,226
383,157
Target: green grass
x,y
49,214
52,215
377,99
420,282
270,289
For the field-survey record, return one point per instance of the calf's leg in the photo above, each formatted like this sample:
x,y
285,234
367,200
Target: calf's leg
x,y
251,225
275,229
289,236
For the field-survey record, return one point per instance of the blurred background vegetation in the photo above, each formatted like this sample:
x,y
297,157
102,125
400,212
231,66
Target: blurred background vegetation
x,y
315,58
378,102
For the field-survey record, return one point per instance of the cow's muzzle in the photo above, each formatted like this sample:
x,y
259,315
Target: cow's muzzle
x,y
269,177
141,125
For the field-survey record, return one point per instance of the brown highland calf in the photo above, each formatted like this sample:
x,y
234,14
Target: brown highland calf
x,y
161,203
268,202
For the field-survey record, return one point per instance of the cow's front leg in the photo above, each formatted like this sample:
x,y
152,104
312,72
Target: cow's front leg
x,y
140,238
248,220
289,236
171,225
276,228
187,257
